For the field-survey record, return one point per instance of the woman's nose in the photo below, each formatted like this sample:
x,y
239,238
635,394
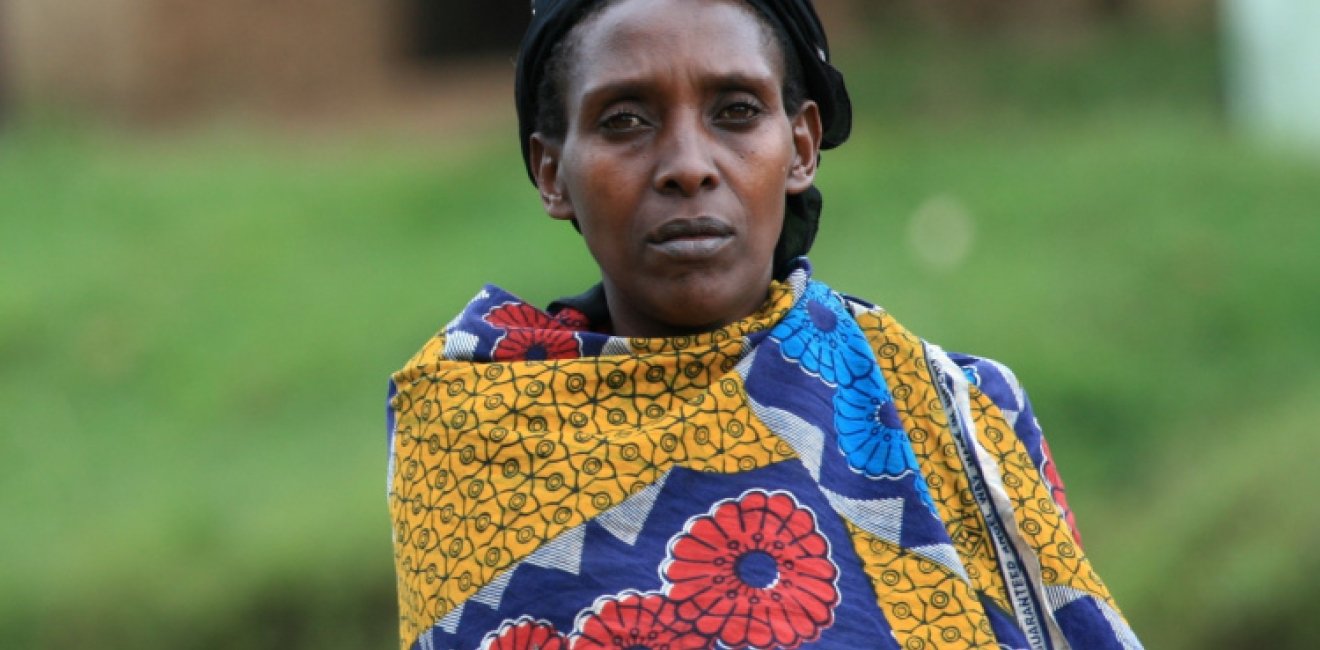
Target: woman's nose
x,y
685,161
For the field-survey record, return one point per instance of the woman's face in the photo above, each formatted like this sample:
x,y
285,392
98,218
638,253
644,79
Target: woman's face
x,y
676,160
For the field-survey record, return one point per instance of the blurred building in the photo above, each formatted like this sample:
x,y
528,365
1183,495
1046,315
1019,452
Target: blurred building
x,y
152,59
1274,67
166,58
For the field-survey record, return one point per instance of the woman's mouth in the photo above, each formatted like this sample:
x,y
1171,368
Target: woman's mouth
x,y
692,239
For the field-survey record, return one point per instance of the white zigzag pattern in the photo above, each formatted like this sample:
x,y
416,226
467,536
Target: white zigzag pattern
x,y
563,553
880,517
626,520
1059,596
460,345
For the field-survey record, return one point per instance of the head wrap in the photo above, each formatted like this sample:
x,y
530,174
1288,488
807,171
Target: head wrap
x,y
796,20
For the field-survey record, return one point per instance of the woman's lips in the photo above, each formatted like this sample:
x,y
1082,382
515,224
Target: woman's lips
x,y
690,239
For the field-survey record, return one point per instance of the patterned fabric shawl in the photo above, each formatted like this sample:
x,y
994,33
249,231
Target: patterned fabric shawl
x,y
813,476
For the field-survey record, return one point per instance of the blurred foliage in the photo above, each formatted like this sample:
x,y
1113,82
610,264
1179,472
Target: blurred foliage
x,y
197,329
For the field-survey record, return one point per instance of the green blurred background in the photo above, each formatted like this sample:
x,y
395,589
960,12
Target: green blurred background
x,y
206,278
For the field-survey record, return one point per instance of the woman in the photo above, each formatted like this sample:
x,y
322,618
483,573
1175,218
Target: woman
x,y
710,449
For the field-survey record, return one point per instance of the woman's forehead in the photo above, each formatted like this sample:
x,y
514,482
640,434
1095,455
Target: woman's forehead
x,y
642,17
633,41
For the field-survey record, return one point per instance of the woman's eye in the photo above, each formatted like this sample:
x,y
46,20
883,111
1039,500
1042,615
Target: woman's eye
x,y
622,122
739,112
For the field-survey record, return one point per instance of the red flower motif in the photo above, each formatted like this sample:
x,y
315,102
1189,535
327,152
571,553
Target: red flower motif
x,y
525,634
754,573
535,345
520,315
572,319
530,334
633,621
1059,492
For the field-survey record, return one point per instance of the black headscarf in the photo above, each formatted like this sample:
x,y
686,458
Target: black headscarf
x,y
796,20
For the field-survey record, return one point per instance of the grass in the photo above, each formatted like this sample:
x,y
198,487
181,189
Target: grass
x,y
196,333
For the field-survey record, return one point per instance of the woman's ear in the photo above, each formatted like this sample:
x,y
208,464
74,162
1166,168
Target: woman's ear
x,y
545,154
806,147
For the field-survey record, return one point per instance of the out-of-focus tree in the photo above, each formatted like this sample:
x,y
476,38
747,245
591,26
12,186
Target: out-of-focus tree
x,y
994,15
436,30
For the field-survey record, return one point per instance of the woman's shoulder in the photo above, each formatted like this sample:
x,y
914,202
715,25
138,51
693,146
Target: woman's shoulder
x,y
996,380
988,376
456,337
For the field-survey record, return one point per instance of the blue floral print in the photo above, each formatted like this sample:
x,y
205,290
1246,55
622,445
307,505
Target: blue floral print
x,y
821,335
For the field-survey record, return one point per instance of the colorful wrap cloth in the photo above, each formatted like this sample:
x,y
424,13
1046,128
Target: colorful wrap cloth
x,y
813,476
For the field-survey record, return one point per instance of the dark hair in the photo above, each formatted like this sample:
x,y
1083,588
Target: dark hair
x,y
551,106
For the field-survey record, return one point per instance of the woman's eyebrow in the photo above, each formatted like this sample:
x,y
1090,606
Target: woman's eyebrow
x,y
740,81
614,91
637,88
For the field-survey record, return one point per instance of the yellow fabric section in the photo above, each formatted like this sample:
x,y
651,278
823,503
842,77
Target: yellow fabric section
x,y
492,460
1038,519
903,361
927,605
